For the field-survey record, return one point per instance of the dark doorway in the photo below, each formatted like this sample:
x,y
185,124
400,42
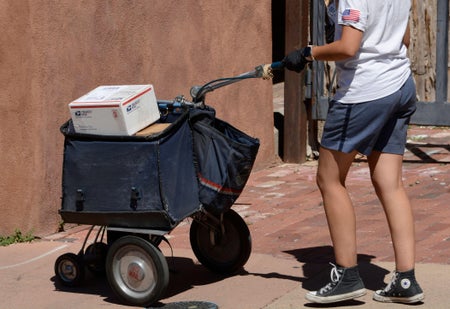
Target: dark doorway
x,y
278,36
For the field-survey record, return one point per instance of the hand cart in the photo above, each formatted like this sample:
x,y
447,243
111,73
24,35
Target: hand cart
x,y
136,189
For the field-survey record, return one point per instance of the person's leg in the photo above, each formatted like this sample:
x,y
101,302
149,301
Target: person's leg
x,y
345,282
386,174
331,174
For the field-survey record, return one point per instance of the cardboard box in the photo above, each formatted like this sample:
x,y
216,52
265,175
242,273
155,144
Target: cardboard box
x,y
153,129
115,110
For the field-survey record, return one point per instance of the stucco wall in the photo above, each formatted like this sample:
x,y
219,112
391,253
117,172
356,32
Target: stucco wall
x,y
53,51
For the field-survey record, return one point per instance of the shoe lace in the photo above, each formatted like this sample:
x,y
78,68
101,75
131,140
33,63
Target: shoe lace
x,y
391,283
335,275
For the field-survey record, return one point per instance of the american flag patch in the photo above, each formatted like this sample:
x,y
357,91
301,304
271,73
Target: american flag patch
x,y
350,15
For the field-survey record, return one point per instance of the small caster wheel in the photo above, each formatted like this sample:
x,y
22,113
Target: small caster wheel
x,y
69,269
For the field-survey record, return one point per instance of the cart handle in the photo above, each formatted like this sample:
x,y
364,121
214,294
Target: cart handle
x,y
264,71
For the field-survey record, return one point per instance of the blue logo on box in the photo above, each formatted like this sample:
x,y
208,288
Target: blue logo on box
x,y
133,106
83,113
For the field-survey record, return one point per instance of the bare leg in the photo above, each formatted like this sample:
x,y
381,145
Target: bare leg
x,y
386,174
331,175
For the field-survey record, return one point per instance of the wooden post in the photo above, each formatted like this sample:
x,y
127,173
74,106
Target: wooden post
x,y
442,51
295,115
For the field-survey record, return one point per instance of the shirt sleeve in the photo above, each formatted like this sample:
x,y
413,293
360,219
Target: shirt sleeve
x,y
353,13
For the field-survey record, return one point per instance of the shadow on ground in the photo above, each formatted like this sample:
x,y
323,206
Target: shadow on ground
x,y
316,271
184,275
316,268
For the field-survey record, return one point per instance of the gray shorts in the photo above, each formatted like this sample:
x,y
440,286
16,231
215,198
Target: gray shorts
x,y
375,125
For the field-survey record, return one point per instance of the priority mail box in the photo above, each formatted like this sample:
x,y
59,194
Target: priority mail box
x,y
115,110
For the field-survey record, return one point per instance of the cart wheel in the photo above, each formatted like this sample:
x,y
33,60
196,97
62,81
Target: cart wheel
x,y
95,258
222,250
137,271
69,269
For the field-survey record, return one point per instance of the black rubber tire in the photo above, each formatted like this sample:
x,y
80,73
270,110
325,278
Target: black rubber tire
x,y
69,269
137,271
95,258
229,251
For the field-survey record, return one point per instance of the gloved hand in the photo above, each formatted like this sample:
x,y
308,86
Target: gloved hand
x,y
297,59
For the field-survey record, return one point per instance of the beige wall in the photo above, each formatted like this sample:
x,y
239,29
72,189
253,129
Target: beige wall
x,y
53,51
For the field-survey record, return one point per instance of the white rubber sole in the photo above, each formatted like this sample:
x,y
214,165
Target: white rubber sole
x,y
312,297
405,300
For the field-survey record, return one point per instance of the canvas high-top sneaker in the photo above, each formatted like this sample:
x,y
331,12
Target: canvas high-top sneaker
x,y
345,284
403,288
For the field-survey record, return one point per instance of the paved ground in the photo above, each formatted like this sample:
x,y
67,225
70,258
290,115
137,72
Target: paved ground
x,y
291,246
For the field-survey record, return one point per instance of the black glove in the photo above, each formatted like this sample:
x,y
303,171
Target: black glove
x,y
297,59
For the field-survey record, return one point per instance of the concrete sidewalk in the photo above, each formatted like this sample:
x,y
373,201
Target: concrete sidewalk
x,y
291,245
268,281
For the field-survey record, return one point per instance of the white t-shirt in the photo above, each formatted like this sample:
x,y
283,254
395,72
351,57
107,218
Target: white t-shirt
x,y
381,66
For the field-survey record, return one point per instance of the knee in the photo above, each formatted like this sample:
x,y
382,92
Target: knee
x,y
325,182
386,184
320,181
377,184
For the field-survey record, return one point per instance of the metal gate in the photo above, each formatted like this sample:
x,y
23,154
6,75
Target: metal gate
x,y
435,113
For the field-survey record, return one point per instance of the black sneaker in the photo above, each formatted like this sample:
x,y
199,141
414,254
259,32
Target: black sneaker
x,y
345,284
403,288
